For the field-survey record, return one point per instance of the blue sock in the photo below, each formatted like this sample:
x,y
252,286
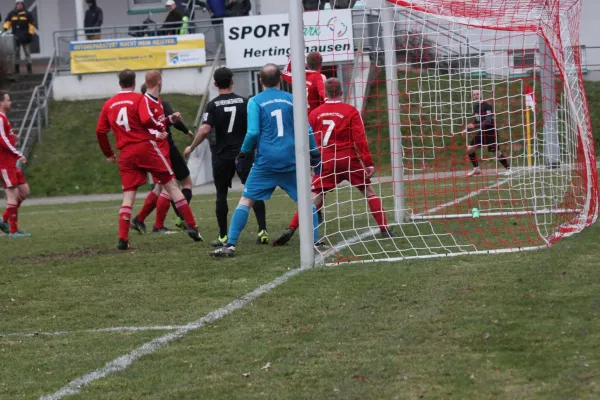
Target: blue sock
x,y
315,224
238,222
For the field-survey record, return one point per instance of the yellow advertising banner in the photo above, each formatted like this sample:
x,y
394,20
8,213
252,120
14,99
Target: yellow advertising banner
x,y
160,52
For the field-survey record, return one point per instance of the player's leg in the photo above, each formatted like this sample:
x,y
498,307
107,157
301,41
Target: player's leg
x,y
260,210
150,203
125,218
472,153
162,209
223,173
491,141
259,186
182,174
287,181
184,208
11,180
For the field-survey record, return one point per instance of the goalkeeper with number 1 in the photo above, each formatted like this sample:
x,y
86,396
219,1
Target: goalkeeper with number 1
x,y
271,134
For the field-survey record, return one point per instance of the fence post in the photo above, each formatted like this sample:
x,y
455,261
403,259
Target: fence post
x,y
39,118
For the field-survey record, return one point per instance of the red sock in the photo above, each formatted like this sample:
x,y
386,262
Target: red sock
x,y
162,209
294,223
124,221
5,215
186,213
11,215
376,206
149,206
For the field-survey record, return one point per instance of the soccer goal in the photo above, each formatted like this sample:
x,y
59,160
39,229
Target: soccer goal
x,y
417,64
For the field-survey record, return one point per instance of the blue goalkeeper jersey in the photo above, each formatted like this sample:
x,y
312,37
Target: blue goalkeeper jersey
x,y
271,131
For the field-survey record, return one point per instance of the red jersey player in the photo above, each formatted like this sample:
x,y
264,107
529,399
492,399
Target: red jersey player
x,y
340,135
12,178
152,117
315,91
140,152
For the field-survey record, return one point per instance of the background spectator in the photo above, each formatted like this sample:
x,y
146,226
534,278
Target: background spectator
x,y
23,28
173,22
238,8
93,19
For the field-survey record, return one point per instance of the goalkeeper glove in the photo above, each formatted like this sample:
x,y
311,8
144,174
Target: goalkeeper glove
x,y
240,162
315,162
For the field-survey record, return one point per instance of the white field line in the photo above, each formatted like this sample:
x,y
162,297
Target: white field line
x,y
100,330
123,362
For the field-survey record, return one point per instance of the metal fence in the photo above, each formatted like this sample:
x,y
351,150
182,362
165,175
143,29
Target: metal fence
x,y
36,115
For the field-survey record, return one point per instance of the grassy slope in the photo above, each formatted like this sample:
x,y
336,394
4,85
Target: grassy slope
x,y
521,325
69,161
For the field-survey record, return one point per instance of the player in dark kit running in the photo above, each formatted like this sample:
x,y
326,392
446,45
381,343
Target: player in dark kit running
x,y
226,117
485,134
156,199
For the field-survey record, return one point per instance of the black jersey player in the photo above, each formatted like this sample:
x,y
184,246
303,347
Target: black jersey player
x,y
226,117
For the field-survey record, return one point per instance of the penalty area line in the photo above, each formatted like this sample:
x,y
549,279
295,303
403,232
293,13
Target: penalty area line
x,y
99,330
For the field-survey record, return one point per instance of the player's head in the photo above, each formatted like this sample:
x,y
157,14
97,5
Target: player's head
x,y
144,88
270,76
333,89
20,4
127,79
5,102
223,78
476,95
314,61
154,80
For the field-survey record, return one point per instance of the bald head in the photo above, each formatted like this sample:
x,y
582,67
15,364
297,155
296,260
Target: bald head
x,y
153,79
270,76
476,95
333,89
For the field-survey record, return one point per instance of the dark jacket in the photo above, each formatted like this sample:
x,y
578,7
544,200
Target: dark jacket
x,y
22,24
94,17
238,8
170,27
217,7
313,5
342,3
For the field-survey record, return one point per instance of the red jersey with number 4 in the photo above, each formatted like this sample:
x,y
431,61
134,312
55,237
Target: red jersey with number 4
x,y
9,155
120,114
315,86
340,132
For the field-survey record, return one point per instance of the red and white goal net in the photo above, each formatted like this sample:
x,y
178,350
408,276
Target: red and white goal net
x,y
414,68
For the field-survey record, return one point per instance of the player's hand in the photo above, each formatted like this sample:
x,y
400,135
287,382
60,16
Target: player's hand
x,y
188,150
240,162
470,126
162,135
23,160
111,159
190,134
315,163
369,171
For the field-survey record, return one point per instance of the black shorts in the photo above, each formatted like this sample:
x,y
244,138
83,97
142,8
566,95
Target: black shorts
x,y
224,169
487,138
180,168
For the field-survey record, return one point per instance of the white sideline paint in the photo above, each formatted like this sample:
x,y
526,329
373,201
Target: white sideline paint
x,y
100,330
123,362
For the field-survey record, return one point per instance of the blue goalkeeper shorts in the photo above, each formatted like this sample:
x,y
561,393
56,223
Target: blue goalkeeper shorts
x,y
261,184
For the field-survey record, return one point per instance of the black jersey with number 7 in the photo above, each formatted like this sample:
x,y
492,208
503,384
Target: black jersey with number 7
x,y
227,114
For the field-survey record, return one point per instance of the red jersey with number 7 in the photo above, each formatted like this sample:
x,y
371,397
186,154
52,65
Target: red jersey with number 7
x,y
340,132
120,114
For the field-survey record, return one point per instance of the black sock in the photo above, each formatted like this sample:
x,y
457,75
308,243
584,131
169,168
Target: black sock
x,y
503,161
261,215
187,193
473,158
222,211
175,209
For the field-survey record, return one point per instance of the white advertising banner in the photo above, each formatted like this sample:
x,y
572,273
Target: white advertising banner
x,y
251,42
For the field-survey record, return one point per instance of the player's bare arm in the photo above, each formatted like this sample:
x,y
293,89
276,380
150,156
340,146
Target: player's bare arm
x,y
202,134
